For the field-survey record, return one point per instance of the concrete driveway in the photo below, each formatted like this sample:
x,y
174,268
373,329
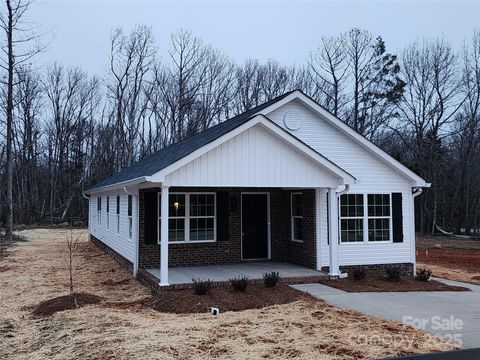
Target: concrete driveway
x,y
452,314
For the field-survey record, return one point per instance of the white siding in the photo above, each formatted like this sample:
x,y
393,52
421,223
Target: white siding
x,y
254,158
373,174
119,242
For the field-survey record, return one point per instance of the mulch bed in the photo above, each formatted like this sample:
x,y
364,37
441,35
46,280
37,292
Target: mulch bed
x,y
468,260
223,297
379,283
62,303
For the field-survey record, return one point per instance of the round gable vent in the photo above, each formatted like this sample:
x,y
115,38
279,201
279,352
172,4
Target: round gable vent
x,y
292,120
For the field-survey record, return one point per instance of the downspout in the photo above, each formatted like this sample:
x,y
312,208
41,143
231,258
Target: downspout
x,y
344,191
415,192
136,237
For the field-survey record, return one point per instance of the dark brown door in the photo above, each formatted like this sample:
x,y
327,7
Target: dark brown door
x,y
254,226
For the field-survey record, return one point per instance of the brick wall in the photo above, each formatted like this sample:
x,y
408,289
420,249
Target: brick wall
x,y
229,251
376,268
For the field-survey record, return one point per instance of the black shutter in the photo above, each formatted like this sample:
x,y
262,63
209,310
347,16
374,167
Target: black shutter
x,y
222,215
151,217
397,217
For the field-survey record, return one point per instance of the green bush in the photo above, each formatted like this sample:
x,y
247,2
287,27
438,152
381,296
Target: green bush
x,y
359,274
394,273
240,283
271,279
201,286
423,274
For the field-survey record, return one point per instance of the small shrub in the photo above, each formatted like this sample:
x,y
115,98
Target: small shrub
x,y
359,274
423,274
271,279
240,283
201,286
394,273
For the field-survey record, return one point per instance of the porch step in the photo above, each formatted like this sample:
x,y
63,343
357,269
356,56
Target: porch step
x,y
152,282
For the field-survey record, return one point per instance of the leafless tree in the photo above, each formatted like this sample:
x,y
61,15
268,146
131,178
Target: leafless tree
x,y
20,46
71,249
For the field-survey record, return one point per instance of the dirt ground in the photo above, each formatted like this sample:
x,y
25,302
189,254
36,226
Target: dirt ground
x,y
450,257
305,329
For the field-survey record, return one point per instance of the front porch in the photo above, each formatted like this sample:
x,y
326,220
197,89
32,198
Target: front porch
x,y
181,277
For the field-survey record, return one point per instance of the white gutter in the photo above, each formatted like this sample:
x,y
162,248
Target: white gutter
x,y
344,191
136,238
339,193
416,191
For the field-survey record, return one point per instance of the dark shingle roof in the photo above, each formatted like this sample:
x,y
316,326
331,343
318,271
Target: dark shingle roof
x,y
171,154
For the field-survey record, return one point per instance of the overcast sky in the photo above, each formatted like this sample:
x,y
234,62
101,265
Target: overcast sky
x,y
283,30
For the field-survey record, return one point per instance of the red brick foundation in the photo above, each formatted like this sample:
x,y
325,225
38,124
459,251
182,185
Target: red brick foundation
x,y
375,269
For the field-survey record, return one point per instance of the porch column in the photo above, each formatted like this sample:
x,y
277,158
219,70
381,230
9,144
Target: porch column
x,y
319,193
164,236
333,231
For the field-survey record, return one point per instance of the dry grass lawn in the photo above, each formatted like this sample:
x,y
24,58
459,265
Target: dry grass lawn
x,y
450,257
305,329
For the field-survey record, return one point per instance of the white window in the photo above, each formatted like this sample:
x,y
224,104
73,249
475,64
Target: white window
x,y
118,214
297,216
108,212
191,217
379,217
351,218
365,218
99,211
129,214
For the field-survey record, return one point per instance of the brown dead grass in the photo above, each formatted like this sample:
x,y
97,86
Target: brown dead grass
x,y
454,259
304,329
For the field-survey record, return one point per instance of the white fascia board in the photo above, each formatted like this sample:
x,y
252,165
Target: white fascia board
x,y
259,119
344,128
118,185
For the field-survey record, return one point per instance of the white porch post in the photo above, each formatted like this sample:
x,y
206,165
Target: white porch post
x,y
333,231
318,223
164,237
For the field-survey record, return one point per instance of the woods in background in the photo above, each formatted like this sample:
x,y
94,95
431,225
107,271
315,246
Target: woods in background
x,y
71,130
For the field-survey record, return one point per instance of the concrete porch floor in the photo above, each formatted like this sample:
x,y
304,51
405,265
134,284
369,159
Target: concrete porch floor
x,y
220,273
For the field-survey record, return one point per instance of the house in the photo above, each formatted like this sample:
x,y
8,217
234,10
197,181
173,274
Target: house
x,y
286,182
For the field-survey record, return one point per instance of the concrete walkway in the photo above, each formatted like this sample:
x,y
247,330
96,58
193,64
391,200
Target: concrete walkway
x,y
453,314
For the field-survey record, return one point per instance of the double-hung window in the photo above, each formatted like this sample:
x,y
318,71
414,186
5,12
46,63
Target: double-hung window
x,y
191,217
365,218
129,214
297,216
379,217
108,212
99,211
118,214
351,218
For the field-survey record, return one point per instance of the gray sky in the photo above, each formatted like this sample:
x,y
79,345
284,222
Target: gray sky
x,y
282,30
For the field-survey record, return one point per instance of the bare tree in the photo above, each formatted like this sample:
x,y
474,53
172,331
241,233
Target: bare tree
x,y
20,46
71,249
329,65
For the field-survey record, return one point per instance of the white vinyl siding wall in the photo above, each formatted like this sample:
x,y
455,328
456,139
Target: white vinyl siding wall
x,y
374,177
109,236
254,158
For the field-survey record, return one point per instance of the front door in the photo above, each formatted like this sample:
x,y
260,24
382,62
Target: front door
x,y
254,226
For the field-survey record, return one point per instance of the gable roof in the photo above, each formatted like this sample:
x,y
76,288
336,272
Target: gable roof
x,y
349,131
172,153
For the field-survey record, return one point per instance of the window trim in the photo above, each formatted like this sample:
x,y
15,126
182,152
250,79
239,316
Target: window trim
x,y
365,218
108,212
293,217
130,217
99,211
187,217
118,211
